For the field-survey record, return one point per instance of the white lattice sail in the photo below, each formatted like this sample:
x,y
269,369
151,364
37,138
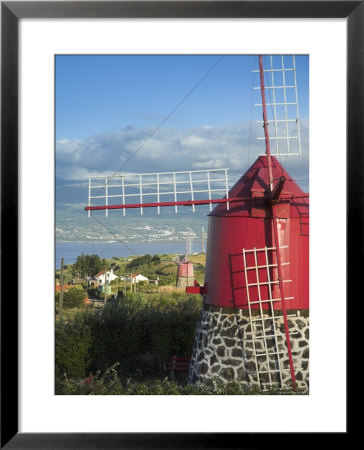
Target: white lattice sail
x,y
282,105
269,343
186,188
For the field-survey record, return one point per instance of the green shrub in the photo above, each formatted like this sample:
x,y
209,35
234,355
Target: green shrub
x,y
73,298
72,346
110,384
141,332
165,280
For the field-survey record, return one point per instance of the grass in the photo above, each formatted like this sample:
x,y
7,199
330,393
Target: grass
x,y
171,289
199,258
109,383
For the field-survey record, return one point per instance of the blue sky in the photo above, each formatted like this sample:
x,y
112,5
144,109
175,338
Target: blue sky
x,y
106,106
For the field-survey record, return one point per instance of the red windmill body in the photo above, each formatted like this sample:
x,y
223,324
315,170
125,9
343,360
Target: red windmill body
x,y
256,290
185,273
248,225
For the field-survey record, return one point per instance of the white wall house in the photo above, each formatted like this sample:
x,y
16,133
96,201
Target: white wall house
x,y
110,276
137,278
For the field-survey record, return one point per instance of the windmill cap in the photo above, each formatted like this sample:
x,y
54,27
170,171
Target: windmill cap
x,y
254,184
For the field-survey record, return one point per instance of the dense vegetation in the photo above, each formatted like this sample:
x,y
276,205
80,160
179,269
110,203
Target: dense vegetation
x,y
109,383
143,261
74,297
139,333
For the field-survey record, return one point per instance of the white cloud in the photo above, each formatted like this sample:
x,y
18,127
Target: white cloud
x,y
169,149
193,141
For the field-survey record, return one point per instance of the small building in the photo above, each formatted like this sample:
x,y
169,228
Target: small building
x,y
91,281
109,274
155,282
101,289
137,278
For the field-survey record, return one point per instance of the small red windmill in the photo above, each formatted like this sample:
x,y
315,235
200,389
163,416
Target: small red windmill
x,y
185,271
256,279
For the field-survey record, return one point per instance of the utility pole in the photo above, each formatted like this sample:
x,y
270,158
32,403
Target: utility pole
x,y
61,291
203,240
105,299
189,244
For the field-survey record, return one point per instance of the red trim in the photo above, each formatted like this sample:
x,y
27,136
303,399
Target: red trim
x,y
197,289
193,289
187,202
265,120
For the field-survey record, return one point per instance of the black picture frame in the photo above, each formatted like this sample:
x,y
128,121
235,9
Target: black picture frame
x,y
11,12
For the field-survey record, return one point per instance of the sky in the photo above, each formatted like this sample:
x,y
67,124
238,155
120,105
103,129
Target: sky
x,y
156,113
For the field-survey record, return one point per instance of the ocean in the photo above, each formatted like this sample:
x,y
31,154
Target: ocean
x,y
69,251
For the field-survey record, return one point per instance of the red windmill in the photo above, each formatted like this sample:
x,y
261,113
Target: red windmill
x,y
256,297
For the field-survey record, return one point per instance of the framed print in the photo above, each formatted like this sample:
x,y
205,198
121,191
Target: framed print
x,y
38,41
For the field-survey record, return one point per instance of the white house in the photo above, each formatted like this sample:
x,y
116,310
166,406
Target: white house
x,y
110,276
137,278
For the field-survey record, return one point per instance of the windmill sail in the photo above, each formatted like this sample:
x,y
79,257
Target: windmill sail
x,y
280,87
272,206
148,190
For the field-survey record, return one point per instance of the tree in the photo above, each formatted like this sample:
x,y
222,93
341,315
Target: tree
x,y
57,296
156,260
140,261
72,345
73,298
88,265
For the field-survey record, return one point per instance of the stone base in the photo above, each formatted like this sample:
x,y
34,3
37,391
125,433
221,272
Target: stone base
x,y
185,281
223,349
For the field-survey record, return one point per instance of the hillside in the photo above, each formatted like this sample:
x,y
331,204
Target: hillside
x,y
163,267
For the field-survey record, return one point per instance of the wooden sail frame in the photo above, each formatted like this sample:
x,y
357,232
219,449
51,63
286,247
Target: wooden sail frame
x,y
282,107
183,188
273,208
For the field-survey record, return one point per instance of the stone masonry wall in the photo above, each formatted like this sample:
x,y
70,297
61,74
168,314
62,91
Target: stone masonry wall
x,y
183,282
223,348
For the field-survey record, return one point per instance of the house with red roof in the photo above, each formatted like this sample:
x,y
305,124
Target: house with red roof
x,y
105,274
137,278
